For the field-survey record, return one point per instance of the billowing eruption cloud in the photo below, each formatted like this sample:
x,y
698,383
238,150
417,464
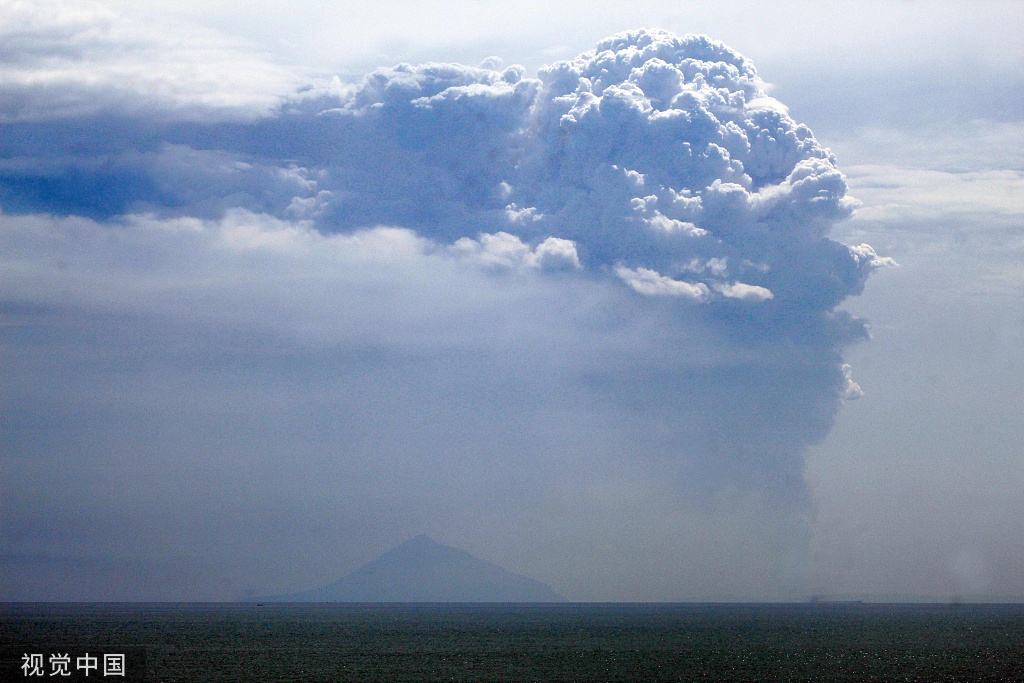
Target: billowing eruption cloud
x,y
589,315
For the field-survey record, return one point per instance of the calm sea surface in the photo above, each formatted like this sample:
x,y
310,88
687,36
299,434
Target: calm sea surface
x,y
518,642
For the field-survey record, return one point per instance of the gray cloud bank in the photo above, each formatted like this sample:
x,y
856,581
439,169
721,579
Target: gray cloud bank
x,y
583,325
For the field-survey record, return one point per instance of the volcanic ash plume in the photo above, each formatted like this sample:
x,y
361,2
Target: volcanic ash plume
x,y
589,315
657,162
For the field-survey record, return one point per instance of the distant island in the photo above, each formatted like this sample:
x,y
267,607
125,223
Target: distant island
x,y
423,570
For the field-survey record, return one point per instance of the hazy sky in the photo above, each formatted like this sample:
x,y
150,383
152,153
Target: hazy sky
x,y
283,285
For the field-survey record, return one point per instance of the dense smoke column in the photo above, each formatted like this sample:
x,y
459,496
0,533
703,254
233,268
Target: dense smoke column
x,y
656,162
668,167
590,316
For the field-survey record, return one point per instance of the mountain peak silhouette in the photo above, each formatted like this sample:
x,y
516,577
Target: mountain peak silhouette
x,y
423,570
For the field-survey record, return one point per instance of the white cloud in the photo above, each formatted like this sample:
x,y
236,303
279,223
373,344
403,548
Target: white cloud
x,y
258,272
719,267
851,391
744,292
525,215
769,103
900,193
505,251
62,60
555,254
869,260
652,283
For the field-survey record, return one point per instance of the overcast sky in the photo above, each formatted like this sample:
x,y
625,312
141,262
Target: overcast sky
x,y
642,315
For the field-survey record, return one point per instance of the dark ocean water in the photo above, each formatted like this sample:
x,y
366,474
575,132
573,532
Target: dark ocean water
x,y
518,642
